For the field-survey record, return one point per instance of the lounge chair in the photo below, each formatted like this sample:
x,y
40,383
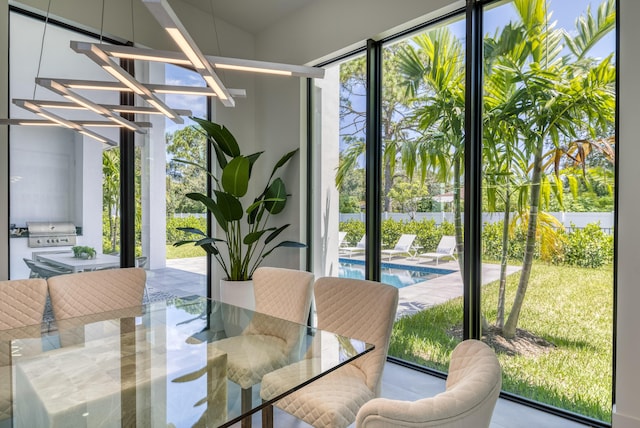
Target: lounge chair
x,y
359,248
403,246
446,248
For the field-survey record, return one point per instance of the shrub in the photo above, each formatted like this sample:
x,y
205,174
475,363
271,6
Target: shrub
x,y
354,229
588,247
174,235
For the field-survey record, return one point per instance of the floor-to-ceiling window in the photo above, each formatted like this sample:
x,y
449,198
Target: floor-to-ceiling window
x,y
338,151
544,263
548,183
166,160
56,173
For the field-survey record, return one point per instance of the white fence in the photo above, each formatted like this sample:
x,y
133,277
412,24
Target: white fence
x,y
578,220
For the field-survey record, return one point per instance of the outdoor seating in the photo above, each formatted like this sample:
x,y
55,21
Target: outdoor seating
x,y
472,389
359,248
446,248
44,270
403,246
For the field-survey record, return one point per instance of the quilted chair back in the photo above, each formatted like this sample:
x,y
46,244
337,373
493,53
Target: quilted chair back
x,y
363,310
283,293
98,291
472,389
22,304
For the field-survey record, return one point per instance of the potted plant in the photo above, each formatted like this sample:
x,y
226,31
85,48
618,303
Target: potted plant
x,y
247,239
83,252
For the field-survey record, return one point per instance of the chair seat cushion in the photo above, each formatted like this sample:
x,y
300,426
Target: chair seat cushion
x,y
332,401
250,357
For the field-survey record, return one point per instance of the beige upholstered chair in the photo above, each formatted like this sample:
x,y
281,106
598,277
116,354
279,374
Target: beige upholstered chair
x,y
21,304
472,389
86,293
266,345
355,308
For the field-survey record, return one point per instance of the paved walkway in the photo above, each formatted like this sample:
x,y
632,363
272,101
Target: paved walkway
x,y
185,277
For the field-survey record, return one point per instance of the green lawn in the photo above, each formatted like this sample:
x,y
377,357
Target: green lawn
x,y
184,251
569,307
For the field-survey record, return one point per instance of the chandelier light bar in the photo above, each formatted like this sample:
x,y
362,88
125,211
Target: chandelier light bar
x,y
60,89
34,108
96,123
167,18
102,59
226,63
156,88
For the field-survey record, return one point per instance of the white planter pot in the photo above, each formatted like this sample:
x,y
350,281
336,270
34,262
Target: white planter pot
x,y
239,294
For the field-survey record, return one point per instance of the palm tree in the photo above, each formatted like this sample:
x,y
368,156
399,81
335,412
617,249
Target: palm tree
x,y
432,67
556,95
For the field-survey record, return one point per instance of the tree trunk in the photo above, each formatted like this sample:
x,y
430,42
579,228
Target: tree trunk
x,y
457,213
509,329
388,183
503,261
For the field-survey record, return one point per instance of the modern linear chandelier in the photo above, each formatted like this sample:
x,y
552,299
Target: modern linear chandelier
x,y
108,57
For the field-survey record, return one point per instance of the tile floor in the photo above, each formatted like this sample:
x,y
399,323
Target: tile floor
x,y
185,277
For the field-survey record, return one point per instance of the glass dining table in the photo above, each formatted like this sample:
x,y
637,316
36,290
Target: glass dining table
x,y
155,365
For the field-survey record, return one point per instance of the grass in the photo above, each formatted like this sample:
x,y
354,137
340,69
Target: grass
x,y
567,306
184,251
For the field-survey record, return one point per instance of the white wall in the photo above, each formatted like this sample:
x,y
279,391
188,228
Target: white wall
x,y
627,412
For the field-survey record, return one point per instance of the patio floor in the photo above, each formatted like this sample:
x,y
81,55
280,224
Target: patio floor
x,y
186,277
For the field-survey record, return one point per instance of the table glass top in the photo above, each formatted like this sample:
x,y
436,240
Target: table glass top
x,y
179,362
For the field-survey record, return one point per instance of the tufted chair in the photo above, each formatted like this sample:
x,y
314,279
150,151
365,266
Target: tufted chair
x,y
356,308
21,304
472,389
267,343
87,293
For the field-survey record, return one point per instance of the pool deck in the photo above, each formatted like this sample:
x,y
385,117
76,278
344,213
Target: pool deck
x,y
183,277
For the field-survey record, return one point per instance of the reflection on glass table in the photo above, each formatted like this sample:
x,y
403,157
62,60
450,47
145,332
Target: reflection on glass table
x,y
154,365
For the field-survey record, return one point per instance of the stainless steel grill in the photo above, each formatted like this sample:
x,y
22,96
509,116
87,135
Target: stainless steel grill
x,y
51,234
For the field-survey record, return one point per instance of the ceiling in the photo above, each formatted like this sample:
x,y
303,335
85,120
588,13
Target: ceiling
x,y
252,16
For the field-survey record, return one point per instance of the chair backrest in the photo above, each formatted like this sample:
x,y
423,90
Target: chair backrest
x,y
283,293
447,245
363,310
341,236
85,293
405,242
472,389
362,242
22,302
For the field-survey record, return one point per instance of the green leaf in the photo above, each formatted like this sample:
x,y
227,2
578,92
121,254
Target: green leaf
x,y
185,242
191,230
275,197
235,176
290,244
275,234
230,206
221,135
255,236
283,160
212,206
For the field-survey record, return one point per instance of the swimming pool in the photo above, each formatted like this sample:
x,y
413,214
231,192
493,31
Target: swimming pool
x,y
392,273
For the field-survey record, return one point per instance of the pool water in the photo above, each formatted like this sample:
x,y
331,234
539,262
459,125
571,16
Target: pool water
x,y
392,273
